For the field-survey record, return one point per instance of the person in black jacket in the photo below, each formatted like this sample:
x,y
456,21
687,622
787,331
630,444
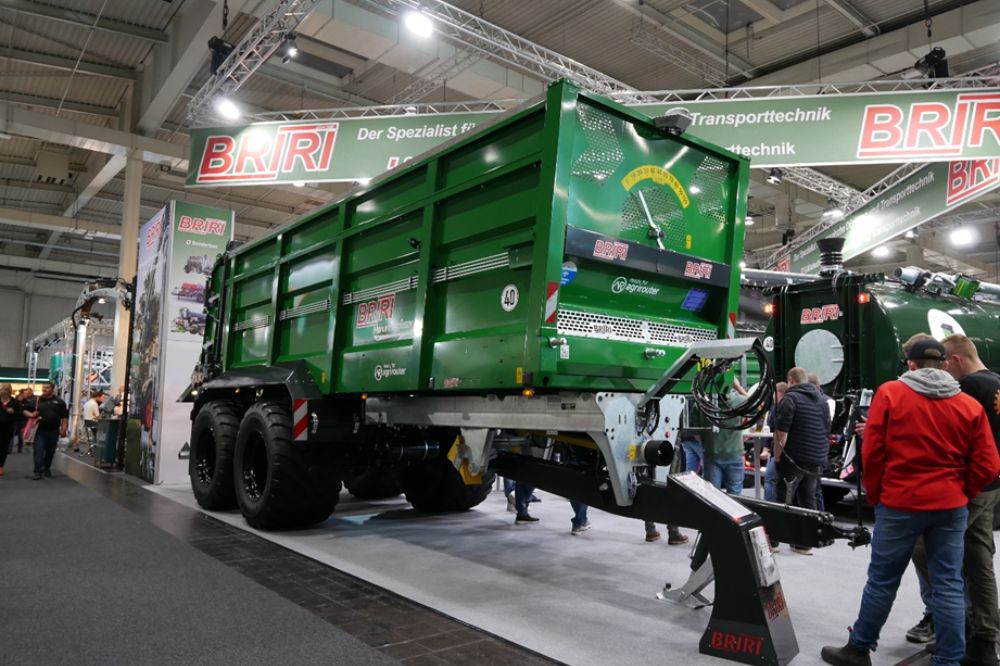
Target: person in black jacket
x,y
800,442
53,417
10,408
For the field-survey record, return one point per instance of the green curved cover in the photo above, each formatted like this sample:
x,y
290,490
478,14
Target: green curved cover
x,y
872,333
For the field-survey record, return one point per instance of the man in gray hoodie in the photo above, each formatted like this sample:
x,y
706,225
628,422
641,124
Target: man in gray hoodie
x,y
927,451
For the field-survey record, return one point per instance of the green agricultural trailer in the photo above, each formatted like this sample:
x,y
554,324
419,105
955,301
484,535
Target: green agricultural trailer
x,y
536,299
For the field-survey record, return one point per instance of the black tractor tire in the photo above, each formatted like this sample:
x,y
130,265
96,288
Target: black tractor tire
x,y
373,483
280,483
435,486
210,466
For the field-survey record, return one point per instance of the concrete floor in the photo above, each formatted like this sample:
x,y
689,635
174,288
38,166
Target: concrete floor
x,y
587,599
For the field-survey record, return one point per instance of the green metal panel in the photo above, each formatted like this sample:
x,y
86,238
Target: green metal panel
x,y
572,219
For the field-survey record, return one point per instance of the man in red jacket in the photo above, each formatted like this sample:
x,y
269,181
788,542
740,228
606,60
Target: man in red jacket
x,y
927,451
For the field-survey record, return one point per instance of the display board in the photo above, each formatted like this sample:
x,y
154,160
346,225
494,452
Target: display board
x,y
334,151
924,195
177,249
808,130
823,130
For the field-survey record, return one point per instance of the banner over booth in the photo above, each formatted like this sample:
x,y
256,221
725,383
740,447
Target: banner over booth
x,y
924,195
818,130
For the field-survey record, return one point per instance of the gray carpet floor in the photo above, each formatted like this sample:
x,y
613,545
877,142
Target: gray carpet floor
x,y
584,600
84,581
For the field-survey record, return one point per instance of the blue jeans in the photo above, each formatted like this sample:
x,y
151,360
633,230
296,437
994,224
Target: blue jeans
x,y
895,535
771,481
579,513
45,449
694,454
725,475
925,593
508,486
522,497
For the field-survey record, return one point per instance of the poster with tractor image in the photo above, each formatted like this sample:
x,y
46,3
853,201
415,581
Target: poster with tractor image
x,y
199,234
177,249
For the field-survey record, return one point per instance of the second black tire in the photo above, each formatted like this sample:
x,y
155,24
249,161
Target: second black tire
x,y
435,486
210,466
281,483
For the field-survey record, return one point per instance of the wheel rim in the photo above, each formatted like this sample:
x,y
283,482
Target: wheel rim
x,y
205,462
255,467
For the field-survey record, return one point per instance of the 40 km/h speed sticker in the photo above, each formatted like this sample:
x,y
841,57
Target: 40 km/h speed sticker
x,y
508,298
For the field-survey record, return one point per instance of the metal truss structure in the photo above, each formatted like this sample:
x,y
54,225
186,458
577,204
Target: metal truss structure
x,y
280,19
976,216
425,108
436,75
468,30
978,78
654,42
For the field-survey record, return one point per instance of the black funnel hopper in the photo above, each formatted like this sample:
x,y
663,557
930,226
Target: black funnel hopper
x,y
831,255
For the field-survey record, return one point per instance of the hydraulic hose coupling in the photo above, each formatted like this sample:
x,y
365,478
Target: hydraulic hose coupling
x,y
658,454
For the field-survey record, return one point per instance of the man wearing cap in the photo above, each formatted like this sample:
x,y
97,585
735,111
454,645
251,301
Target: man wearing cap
x,y
928,450
982,384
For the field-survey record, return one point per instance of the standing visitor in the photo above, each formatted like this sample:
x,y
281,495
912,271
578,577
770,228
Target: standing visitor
x,y
983,385
9,410
800,443
53,421
928,451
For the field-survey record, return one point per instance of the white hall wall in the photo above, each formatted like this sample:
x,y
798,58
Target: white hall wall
x,y
30,305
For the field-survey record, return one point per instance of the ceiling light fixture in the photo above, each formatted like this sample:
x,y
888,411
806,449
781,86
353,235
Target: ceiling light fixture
x,y
749,221
363,181
833,210
226,108
298,183
911,234
963,236
418,23
881,252
288,49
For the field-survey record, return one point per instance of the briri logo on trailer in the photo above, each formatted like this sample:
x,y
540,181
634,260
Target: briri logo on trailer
x,y
820,314
263,153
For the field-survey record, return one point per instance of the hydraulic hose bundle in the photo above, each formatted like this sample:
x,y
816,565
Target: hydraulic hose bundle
x,y
707,391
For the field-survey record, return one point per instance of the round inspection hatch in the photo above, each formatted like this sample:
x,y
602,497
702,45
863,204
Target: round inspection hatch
x,y
821,352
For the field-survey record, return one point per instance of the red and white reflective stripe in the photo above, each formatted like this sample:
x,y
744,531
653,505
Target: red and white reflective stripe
x,y
551,301
300,420
732,325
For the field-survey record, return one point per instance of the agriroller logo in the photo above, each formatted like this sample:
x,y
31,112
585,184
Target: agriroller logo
x,y
264,153
386,370
924,129
622,285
